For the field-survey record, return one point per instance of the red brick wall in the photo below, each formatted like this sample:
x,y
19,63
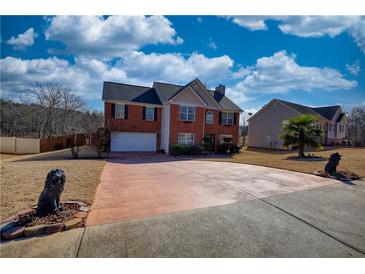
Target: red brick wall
x,y
177,126
196,127
134,123
218,129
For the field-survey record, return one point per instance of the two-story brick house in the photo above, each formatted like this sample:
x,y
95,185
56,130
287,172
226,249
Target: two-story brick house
x,y
153,118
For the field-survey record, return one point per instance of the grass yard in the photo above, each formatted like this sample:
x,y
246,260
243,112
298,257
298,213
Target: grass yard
x,y
22,177
353,159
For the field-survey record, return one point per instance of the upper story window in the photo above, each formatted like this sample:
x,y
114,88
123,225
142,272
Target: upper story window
x,y
187,113
227,118
119,111
150,114
209,117
186,138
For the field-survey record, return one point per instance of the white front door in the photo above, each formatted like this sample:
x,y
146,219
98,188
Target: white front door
x,y
133,141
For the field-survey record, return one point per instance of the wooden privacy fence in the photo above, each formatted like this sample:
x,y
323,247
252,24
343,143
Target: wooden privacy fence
x,y
17,145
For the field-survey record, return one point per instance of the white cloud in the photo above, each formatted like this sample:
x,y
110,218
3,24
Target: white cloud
x,y
112,36
86,76
310,26
250,22
354,68
23,40
280,74
175,68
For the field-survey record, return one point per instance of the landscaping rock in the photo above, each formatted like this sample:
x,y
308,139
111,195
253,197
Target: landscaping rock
x,y
7,225
34,230
49,229
10,218
73,223
75,202
84,208
13,233
81,214
26,211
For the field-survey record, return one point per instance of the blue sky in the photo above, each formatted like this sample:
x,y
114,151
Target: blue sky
x,y
310,60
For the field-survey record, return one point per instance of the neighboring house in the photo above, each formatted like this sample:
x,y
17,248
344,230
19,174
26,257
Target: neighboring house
x,y
153,118
264,126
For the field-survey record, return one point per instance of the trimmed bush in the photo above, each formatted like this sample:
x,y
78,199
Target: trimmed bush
x,y
225,148
228,148
178,149
195,150
185,150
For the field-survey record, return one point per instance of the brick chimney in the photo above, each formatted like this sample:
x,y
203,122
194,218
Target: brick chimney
x,y
221,89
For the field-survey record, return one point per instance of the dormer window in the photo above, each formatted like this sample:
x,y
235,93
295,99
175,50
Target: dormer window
x,y
187,113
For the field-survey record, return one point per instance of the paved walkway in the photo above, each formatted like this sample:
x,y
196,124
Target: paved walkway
x,y
138,186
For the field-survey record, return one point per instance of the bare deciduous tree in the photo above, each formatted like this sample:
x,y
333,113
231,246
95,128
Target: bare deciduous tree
x,y
356,126
58,104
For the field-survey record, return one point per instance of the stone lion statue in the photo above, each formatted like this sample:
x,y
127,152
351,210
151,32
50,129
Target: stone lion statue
x,y
49,199
331,166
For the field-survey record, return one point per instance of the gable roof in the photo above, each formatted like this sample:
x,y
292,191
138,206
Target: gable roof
x,y
165,92
125,92
168,91
326,112
339,118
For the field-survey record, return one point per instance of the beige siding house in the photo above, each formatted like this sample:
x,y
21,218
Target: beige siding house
x,y
264,126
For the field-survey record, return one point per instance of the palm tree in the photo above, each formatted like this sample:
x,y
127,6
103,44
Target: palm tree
x,y
301,131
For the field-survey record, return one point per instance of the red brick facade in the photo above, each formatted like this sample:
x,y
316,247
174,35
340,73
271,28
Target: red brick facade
x,y
219,130
135,122
177,126
199,126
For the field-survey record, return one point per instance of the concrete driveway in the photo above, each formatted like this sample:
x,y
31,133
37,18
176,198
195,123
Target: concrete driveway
x,y
137,186
157,207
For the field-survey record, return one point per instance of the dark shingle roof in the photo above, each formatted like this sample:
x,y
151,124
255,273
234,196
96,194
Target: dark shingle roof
x,y
116,91
339,118
300,108
326,112
168,91
224,101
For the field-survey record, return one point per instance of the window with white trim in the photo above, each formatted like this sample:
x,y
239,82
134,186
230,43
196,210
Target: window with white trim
x,y
186,138
227,118
150,114
187,113
209,117
119,111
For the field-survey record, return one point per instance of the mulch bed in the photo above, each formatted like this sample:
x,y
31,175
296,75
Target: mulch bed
x,y
69,210
307,158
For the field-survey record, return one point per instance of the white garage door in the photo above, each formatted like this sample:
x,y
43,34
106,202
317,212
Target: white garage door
x,y
133,141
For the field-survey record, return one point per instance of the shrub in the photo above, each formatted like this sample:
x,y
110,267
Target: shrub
x,y
185,150
178,149
225,148
228,148
195,150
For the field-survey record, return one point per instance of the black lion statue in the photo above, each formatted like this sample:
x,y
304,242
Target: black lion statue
x,y
49,200
331,166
